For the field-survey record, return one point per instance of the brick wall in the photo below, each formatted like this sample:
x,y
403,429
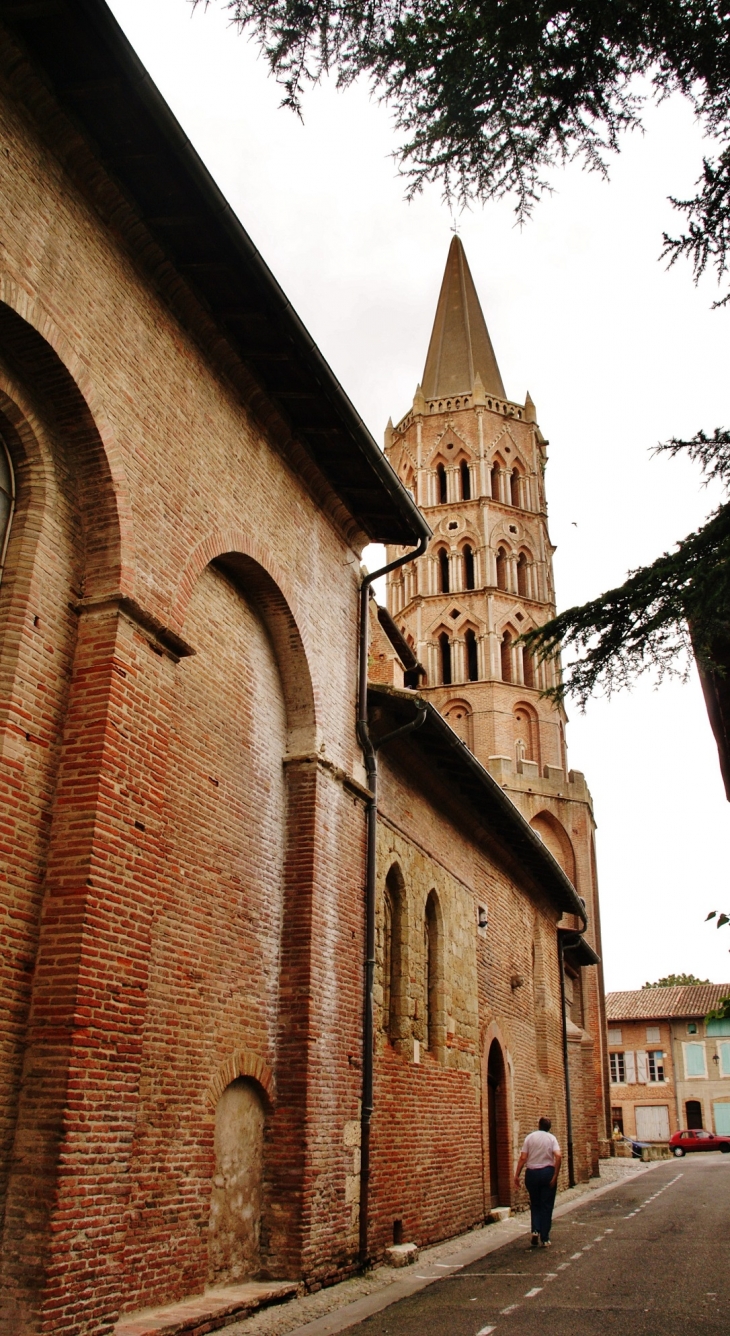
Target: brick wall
x,y
166,927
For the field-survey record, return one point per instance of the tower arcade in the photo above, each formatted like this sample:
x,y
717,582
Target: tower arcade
x,y
475,461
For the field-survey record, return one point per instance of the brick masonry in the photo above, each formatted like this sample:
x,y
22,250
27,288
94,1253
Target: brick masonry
x,y
182,813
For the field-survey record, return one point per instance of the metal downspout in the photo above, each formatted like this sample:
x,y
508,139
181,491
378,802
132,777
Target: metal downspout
x,y
369,749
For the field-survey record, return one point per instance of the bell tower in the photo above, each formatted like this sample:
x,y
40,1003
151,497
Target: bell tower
x,y
475,463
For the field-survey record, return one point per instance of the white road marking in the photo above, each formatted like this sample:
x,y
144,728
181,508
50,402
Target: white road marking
x,y
486,1331
504,1312
587,1247
653,1197
563,1266
531,1293
575,1257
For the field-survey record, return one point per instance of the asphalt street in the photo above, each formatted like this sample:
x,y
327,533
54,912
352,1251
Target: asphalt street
x,y
650,1258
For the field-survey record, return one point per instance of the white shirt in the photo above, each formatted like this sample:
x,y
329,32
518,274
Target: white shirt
x,y
540,1149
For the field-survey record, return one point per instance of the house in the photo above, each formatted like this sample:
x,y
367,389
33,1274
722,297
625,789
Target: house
x,y
670,1068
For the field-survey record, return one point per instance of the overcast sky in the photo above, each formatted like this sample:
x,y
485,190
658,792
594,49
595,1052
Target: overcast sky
x,y
617,353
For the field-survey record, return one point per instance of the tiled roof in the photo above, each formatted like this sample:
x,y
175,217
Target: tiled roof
x,y
645,1004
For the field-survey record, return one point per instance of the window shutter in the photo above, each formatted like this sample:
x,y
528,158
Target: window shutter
x,y
642,1067
694,1060
630,1068
724,1051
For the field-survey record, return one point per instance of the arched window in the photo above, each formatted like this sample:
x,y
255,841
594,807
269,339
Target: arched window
x,y
465,481
494,481
441,483
501,568
505,651
514,488
468,567
528,667
393,908
472,657
433,949
7,501
522,575
443,558
445,648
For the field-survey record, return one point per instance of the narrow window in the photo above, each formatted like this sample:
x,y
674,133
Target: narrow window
x,y
445,647
528,667
522,575
514,487
432,944
465,481
472,660
387,957
501,569
468,567
494,476
617,1119
392,951
441,483
618,1068
505,650
444,570
7,501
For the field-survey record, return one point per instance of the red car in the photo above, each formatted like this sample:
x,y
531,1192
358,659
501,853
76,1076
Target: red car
x,y
682,1142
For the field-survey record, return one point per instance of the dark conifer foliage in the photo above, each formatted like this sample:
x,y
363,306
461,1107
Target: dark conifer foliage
x,y
663,613
490,94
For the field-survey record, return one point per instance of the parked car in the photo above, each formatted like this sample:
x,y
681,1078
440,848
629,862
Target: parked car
x,y
683,1142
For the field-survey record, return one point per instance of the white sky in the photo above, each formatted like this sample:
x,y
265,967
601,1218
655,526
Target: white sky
x,y
616,352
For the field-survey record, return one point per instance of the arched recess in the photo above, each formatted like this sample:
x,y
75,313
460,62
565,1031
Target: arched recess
x,y
497,1127
458,714
468,558
238,1188
442,558
527,732
523,563
64,545
249,566
509,636
101,488
556,838
241,807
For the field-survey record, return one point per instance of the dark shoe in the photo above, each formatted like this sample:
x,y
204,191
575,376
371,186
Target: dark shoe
x,y
534,1240
545,1243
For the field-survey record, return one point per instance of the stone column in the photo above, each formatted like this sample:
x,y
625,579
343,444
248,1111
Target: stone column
x,y
458,660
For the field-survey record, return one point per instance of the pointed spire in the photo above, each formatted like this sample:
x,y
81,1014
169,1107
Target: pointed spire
x,y
389,433
460,345
530,410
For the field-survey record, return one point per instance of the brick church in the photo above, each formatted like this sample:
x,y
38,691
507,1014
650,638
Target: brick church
x,y
298,901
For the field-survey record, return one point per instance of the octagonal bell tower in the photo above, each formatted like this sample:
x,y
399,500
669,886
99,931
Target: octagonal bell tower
x,y
475,463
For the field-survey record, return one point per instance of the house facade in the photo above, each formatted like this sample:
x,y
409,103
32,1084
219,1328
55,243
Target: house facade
x,y
669,1067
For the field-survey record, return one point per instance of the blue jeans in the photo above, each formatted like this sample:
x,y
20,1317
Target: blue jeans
x,y
542,1200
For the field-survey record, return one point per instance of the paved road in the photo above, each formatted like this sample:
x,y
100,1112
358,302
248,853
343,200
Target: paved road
x,y
648,1258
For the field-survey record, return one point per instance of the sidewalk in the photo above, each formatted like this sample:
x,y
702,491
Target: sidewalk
x,y
341,1306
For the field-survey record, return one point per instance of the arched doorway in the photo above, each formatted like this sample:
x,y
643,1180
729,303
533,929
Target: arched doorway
x,y
499,1190
694,1115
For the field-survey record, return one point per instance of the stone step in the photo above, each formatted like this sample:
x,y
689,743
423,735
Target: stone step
x,y
206,1312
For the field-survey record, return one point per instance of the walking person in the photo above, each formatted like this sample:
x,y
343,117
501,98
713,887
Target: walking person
x,y
541,1159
